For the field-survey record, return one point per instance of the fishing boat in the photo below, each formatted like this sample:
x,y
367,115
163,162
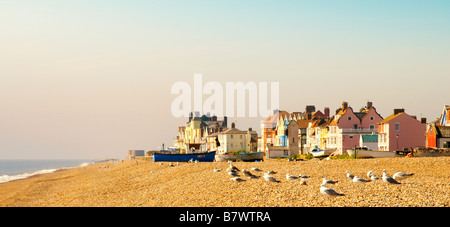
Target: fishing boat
x,y
167,157
316,152
365,153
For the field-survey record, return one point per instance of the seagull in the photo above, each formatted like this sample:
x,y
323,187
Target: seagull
x,y
374,177
359,180
256,169
401,175
248,174
237,179
232,173
232,168
217,170
303,176
171,165
325,181
349,175
369,174
268,177
270,172
388,179
291,177
302,181
328,191
178,163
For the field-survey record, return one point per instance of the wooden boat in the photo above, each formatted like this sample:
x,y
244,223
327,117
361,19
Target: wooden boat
x,y
364,153
244,157
316,152
201,157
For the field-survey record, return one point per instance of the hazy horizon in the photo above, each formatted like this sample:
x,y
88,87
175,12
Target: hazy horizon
x,y
92,79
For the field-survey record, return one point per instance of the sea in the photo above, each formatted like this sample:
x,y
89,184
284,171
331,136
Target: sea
x,y
14,169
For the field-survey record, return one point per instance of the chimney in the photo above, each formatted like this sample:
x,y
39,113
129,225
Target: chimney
x,y
326,112
423,120
344,105
310,109
397,111
225,122
214,118
250,129
233,125
190,116
369,105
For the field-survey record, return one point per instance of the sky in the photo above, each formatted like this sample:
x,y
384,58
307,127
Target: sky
x,y
92,78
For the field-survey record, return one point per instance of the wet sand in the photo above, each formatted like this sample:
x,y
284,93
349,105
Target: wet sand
x,y
145,183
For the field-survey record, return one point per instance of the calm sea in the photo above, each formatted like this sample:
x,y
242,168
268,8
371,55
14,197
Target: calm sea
x,y
21,168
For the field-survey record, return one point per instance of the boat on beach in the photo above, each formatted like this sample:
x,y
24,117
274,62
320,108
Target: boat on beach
x,y
364,153
168,157
316,152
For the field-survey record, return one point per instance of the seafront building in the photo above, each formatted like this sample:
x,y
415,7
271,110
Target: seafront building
x,y
401,132
438,132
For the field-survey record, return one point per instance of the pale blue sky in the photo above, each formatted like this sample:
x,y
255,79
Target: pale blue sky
x,y
91,79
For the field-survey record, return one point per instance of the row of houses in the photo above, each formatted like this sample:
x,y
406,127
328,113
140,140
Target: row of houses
x,y
284,134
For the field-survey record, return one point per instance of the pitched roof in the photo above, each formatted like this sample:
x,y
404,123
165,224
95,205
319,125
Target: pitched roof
x,y
232,131
390,118
444,131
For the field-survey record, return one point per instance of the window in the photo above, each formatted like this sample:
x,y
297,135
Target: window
x,y
397,126
355,126
286,153
349,118
371,118
231,136
371,127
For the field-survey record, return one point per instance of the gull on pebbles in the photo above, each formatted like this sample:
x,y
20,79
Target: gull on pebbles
x,y
237,179
270,178
401,175
349,175
328,191
388,179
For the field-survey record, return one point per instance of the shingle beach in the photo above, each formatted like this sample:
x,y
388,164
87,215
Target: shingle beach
x,y
145,183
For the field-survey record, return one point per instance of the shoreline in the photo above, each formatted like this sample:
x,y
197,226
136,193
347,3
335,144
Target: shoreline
x,y
145,183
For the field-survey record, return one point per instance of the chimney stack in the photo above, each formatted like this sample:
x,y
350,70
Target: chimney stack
x,y
233,125
326,112
369,105
344,105
423,120
310,109
397,111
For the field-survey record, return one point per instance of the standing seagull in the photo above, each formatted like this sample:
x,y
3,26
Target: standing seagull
x,y
388,179
268,177
232,168
328,191
401,175
349,175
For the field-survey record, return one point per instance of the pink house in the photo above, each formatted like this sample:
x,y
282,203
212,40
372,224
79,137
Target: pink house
x,y
347,126
401,132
